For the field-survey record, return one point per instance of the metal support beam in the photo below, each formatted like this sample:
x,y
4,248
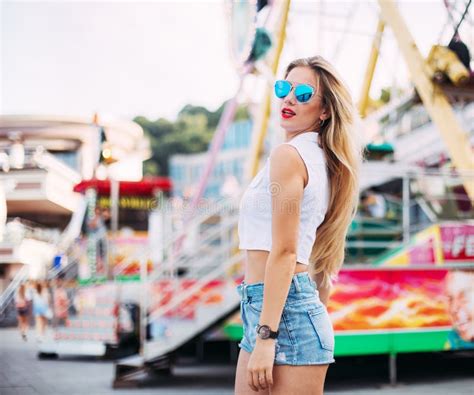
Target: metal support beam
x,y
406,210
434,99
369,73
392,366
261,123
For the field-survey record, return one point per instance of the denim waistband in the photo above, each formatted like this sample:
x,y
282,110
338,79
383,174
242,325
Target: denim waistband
x,y
301,282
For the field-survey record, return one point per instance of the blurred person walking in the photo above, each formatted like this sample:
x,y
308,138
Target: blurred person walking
x,y
22,304
41,309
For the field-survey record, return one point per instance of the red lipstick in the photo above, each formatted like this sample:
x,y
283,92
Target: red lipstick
x,y
287,113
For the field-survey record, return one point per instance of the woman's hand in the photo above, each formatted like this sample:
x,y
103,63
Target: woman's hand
x,y
260,365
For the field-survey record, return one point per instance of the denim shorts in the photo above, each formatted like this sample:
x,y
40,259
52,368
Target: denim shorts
x,y
306,334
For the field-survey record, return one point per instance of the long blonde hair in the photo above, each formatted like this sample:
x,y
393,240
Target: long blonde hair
x,y
344,154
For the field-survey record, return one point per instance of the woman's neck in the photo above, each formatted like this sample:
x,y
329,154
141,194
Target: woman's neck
x,y
293,135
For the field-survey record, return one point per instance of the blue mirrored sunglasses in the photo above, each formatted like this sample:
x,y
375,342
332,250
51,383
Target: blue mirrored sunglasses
x,y
303,92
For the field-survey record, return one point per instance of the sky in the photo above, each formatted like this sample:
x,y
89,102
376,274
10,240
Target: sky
x,y
125,59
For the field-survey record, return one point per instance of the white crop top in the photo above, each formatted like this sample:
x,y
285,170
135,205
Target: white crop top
x,y
255,218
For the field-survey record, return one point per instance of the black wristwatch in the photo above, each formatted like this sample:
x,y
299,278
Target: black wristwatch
x,y
264,332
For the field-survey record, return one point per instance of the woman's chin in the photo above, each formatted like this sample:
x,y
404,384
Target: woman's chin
x,y
288,125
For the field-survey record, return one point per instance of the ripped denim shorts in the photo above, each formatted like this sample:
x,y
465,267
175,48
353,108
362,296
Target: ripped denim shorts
x,y
306,334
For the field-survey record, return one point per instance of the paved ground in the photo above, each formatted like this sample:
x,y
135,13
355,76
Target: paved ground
x,y
21,373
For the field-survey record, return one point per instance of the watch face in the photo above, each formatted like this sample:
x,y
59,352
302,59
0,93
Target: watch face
x,y
264,332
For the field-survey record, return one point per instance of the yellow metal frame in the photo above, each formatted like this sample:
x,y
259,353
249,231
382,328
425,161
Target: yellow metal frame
x,y
433,98
369,73
261,124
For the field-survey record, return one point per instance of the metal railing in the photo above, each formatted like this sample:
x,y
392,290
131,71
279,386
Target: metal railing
x,y
9,293
40,158
18,229
65,240
425,197
213,234
174,237
213,274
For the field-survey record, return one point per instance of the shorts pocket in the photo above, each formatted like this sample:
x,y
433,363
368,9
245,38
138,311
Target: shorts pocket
x,y
255,306
323,327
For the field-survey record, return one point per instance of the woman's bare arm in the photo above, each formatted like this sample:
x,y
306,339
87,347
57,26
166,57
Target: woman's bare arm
x,y
287,174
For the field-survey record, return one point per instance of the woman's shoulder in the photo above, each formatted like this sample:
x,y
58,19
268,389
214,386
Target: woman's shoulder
x,y
284,154
285,162
281,149
309,152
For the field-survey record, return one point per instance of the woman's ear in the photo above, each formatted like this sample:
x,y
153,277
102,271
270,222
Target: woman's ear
x,y
324,113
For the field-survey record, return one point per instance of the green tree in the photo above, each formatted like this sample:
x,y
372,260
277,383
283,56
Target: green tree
x,y
190,133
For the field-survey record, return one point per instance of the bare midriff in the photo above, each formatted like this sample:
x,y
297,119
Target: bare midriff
x,y
255,266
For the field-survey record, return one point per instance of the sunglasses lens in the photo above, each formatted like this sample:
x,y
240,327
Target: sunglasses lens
x,y
282,88
303,93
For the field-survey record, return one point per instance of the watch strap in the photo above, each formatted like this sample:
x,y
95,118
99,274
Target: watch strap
x,y
272,334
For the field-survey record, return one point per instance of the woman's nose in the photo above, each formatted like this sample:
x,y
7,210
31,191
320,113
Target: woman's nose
x,y
289,98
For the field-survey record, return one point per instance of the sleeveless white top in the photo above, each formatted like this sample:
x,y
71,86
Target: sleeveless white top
x,y
255,217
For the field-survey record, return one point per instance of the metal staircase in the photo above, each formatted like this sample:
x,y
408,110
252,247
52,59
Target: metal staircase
x,y
186,293
65,243
176,309
7,305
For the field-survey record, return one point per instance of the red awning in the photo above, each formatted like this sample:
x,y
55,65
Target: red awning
x,y
146,187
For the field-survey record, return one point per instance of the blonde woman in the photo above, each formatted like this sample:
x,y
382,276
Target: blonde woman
x,y
293,220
